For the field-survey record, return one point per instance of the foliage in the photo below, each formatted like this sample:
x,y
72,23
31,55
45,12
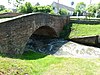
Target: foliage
x,y
52,12
6,10
63,12
15,3
80,7
26,8
66,31
91,10
38,64
84,30
21,9
2,7
98,9
98,6
44,9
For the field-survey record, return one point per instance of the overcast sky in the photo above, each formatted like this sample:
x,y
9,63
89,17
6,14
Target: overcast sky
x,y
48,2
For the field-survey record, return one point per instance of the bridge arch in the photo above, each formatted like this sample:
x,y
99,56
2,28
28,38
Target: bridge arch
x,y
46,31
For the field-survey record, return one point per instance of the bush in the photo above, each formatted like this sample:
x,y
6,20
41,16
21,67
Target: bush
x,y
63,12
44,9
2,7
6,10
26,8
52,12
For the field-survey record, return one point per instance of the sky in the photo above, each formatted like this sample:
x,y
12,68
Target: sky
x,y
48,2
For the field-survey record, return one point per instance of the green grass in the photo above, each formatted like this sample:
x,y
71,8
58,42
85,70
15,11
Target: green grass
x,y
84,30
38,64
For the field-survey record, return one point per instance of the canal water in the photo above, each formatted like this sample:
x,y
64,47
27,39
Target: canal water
x,y
60,47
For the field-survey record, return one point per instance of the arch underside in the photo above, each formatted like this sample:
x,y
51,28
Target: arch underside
x,y
46,31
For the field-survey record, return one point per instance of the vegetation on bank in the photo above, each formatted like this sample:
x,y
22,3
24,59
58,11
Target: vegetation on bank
x,y
38,64
78,30
84,30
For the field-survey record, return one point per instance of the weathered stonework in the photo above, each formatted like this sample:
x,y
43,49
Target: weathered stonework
x,y
15,33
89,40
6,15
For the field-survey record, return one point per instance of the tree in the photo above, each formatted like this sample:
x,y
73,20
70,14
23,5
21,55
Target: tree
x,y
98,6
5,11
52,12
98,9
15,3
22,9
80,7
26,8
44,9
29,8
63,12
2,7
91,9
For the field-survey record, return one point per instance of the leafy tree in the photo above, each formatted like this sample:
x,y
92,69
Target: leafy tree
x,y
91,9
63,12
98,10
44,9
6,10
80,7
52,12
98,6
26,8
22,9
2,7
15,3
29,8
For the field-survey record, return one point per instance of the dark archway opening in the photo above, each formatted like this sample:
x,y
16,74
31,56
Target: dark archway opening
x,y
46,31
41,38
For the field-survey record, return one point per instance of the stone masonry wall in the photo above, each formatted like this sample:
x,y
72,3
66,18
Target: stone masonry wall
x,y
7,15
88,40
15,33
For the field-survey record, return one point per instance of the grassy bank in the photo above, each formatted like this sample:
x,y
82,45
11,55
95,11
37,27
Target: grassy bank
x,y
77,30
38,64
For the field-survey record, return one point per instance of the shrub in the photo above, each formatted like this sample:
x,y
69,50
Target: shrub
x,y
63,12
26,8
6,10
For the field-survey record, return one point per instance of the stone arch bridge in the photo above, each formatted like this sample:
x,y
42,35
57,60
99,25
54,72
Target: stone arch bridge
x,y
15,33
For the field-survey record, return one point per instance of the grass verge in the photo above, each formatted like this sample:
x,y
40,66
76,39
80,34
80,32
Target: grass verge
x,y
77,30
38,64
